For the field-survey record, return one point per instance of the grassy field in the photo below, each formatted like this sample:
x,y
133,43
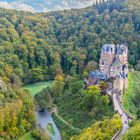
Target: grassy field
x,y
37,87
129,95
51,129
27,136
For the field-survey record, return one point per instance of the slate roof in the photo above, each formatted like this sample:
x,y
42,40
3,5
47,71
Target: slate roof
x,y
97,74
120,49
107,47
121,76
116,62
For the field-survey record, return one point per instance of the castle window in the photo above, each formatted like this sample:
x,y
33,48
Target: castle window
x,y
123,67
111,50
102,62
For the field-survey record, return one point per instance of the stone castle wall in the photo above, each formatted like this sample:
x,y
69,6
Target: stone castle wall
x,y
118,84
114,71
123,58
105,62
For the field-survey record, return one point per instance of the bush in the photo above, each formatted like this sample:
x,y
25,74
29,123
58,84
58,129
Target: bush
x,y
40,134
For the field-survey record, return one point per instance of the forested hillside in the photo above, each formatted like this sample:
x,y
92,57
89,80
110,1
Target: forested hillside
x,y
16,113
65,45
40,46
104,130
133,133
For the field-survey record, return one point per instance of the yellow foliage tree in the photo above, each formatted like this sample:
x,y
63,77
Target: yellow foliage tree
x,y
102,130
59,78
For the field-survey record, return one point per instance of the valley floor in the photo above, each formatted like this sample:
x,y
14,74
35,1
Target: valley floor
x,y
37,87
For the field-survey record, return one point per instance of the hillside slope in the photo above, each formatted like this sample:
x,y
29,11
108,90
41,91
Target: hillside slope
x,y
131,98
101,130
37,47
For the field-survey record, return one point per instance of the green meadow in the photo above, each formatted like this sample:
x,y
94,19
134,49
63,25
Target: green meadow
x,y
34,89
27,136
37,87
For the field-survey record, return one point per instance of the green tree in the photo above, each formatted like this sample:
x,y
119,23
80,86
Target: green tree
x,y
36,74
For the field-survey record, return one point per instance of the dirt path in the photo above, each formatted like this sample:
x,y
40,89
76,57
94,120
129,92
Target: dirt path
x,y
55,111
117,107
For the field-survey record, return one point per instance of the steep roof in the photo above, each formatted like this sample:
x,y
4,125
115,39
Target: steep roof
x,y
120,49
117,49
97,74
107,47
121,76
116,62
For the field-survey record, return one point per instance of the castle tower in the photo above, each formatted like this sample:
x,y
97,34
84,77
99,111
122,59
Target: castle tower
x,y
122,52
107,57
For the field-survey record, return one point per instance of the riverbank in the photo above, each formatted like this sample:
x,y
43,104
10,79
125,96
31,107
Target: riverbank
x,y
37,87
44,119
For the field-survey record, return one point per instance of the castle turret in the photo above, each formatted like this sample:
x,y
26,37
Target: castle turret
x,y
107,57
108,49
122,52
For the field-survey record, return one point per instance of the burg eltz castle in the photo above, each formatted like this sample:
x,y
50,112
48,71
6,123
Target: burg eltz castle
x,y
113,66
114,63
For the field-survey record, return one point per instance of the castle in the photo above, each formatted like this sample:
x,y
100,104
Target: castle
x,y
113,66
114,63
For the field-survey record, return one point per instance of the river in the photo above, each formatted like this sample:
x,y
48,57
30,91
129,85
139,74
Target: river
x,y
43,119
